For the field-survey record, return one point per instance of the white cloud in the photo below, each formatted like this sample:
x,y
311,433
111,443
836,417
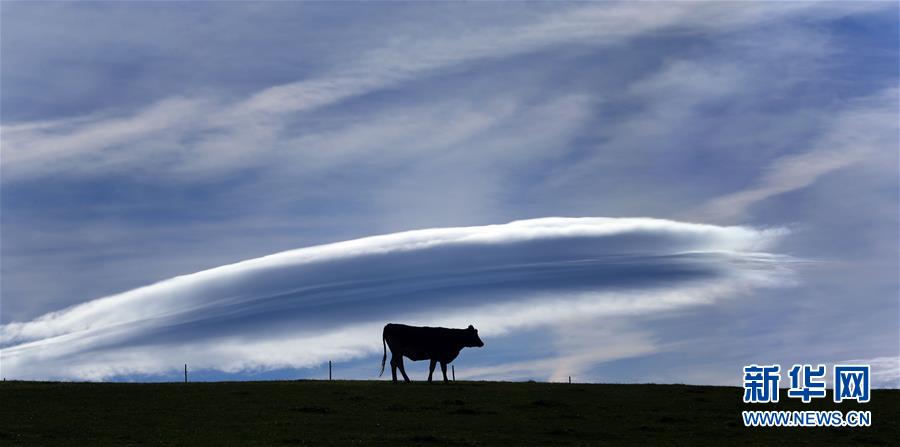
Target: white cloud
x,y
185,134
301,307
861,131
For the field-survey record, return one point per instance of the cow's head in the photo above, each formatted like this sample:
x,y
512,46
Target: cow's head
x,y
472,340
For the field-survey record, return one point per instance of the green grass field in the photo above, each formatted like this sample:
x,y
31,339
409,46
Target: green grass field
x,y
381,413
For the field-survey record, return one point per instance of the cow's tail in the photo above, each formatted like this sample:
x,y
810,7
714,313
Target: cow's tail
x,y
383,358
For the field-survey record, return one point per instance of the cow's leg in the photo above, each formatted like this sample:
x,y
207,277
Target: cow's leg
x,y
431,369
444,370
394,365
402,369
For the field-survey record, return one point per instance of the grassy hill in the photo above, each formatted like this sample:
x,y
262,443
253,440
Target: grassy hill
x,y
380,413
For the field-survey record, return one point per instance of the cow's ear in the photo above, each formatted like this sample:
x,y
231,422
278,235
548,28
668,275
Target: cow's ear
x,y
471,327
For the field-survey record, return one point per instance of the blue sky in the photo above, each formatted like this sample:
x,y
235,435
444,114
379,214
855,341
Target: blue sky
x,y
739,161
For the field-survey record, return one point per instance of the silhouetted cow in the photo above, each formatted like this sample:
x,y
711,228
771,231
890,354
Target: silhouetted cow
x,y
439,344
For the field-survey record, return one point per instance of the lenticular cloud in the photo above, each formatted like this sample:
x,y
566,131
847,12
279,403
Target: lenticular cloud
x,y
301,307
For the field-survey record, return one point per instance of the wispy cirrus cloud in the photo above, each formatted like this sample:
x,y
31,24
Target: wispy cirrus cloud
x,y
305,306
182,133
858,132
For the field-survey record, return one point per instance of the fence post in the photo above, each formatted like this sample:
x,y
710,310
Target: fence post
x,y
570,379
185,373
329,370
453,370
